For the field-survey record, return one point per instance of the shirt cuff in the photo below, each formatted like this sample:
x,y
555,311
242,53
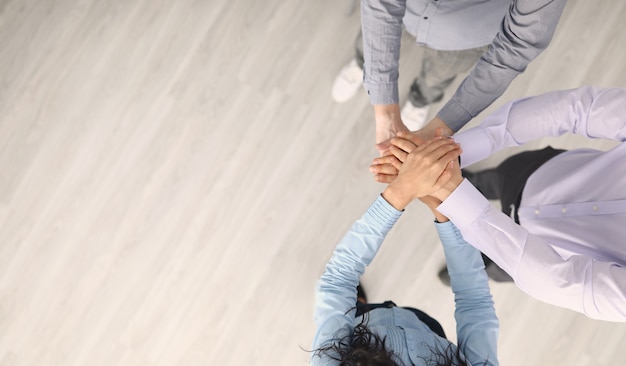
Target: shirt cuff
x,y
454,115
476,146
383,93
383,213
448,233
464,205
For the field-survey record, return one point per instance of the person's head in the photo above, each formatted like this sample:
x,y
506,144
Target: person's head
x,y
366,348
362,348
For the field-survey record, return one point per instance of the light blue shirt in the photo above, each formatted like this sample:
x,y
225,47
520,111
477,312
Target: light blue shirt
x,y
570,249
410,339
516,30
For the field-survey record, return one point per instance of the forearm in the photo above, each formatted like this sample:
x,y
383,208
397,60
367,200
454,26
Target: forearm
x,y
387,112
477,324
381,23
581,283
336,292
587,111
465,206
479,90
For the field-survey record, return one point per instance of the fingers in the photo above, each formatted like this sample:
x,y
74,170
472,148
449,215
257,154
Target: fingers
x,y
403,144
398,153
445,176
382,147
444,163
387,160
436,150
384,178
387,169
435,144
416,137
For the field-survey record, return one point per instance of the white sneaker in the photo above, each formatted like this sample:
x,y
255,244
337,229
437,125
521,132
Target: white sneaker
x,y
348,82
414,118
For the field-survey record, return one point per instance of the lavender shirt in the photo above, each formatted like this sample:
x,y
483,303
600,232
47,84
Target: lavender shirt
x,y
570,249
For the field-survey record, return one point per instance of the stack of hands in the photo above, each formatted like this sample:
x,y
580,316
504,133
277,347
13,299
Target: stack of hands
x,y
418,169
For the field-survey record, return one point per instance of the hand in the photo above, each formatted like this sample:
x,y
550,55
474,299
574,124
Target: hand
x,y
430,201
388,124
435,127
386,167
455,180
424,170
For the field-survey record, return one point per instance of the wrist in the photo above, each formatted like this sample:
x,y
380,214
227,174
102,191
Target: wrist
x,y
436,123
448,188
439,217
396,197
387,111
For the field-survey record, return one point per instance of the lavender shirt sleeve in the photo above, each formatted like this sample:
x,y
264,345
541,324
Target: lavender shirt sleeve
x,y
587,111
580,283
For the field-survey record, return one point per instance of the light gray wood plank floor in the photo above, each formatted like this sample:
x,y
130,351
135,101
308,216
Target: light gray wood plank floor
x,y
174,176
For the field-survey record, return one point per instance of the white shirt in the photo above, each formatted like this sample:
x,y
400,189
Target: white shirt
x,y
570,249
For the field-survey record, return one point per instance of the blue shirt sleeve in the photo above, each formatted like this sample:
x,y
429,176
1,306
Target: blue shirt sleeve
x,y
336,290
476,321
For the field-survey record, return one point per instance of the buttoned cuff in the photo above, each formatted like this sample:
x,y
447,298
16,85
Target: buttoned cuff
x,y
476,145
383,93
464,205
383,213
454,115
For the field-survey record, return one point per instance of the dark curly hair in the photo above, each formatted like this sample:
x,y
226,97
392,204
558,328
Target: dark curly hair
x,y
366,348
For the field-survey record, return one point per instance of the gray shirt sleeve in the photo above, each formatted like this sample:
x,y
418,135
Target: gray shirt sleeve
x,y
381,22
527,30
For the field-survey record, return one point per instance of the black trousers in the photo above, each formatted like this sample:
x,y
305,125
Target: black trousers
x,y
506,183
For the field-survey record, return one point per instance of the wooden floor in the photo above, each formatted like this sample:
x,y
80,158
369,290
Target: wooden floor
x,y
174,176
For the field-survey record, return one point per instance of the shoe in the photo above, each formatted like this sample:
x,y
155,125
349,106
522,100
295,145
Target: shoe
x,y
348,82
360,294
494,271
414,118
444,276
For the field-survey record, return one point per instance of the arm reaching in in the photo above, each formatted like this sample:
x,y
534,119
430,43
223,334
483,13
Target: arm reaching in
x,y
381,23
526,31
336,290
388,125
581,283
476,320
587,111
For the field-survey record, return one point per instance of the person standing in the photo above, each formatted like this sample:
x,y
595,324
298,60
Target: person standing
x,y
353,332
498,37
569,248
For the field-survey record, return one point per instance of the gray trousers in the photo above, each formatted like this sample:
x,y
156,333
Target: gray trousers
x,y
439,69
